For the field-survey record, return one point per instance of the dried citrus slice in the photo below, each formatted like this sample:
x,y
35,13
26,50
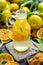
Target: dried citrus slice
x,y
5,57
36,58
12,63
40,33
5,35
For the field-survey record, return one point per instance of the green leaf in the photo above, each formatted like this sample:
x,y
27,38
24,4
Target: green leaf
x,y
7,26
35,43
40,41
25,3
39,46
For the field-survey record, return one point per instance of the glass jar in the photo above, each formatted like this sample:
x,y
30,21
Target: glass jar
x,y
21,32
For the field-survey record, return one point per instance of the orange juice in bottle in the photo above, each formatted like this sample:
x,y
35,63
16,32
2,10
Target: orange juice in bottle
x,y
21,32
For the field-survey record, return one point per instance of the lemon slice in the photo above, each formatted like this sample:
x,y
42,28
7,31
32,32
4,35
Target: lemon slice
x,y
22,46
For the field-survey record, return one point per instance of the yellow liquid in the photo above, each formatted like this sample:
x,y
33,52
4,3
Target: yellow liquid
x,y
21,46
21,35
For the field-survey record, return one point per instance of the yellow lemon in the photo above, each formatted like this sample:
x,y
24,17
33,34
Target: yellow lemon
x,y
7,6
2,4
17,1
6,14
35,21
40,6
41,15
14,6
26,9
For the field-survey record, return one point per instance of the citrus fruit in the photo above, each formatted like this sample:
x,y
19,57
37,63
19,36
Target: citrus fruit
x,y
5,57
37,57
35,21
7,6
5,35
6,14
14,6
26,9
40,33
2,4
41,15
40,6
16,1
12,63
21,30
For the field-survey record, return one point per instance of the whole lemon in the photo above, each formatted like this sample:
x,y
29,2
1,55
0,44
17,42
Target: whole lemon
x,y
41,15
6,14
35,21
25,9
14,6
40,6
2,4
7,6
17,1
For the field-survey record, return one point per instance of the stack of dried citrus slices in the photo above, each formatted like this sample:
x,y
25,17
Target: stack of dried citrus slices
x,y
5,35
7,59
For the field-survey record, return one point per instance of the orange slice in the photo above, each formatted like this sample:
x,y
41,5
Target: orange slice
x,y
40,33
5,35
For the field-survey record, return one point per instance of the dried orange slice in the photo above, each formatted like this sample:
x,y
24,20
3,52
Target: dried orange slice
x,y
12,63
5,35
40,33
6,57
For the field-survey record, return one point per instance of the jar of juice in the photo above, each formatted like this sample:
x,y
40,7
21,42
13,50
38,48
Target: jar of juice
x,y
21,32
